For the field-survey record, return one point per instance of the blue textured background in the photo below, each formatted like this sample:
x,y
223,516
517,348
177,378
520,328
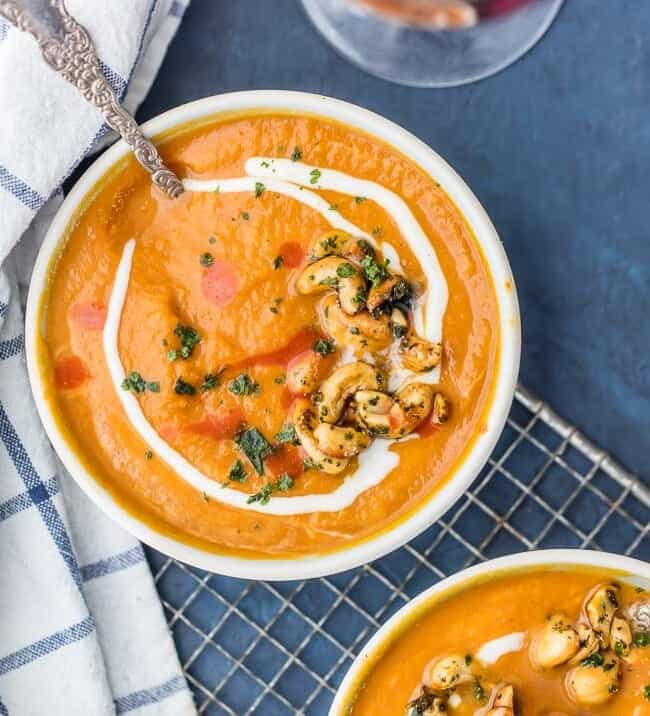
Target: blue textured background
x,y
556,148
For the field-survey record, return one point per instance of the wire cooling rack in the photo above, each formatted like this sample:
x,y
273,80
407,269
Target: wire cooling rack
x,y
277,649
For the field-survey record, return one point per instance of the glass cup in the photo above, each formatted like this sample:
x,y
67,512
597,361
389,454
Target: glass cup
x,y
432,43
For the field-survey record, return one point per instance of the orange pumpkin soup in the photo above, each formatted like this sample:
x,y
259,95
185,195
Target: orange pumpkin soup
x,y
543,643
245,366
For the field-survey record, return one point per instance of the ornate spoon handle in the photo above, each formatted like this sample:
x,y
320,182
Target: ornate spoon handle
x,y
67,48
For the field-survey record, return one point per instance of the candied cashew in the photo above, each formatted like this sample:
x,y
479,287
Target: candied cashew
x,y
342,384
420,355
335,272
554,644
341,441
593,685
304,421
360,332
395,416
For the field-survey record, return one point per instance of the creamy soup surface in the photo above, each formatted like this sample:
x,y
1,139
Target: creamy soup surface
x,y
544,643
246,367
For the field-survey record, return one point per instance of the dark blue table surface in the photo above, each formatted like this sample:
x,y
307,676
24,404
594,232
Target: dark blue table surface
x,y
556,148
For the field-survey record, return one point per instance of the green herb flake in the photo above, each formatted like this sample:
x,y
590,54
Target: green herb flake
x,y
148,455
282,484
207,259
212,240
329,281
324,346
245,215
287,435
189,339
346,271
238,472
359,199
278,261
375,273
468,659
137,384
646,692
259,189
333,207
182,387
255,446
210,381
243,385
594,660
206,499
296,155
314,175
377,231
641,639
280,379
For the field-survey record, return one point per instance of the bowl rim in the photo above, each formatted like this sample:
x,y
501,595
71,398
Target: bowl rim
x,y
430,508
511,562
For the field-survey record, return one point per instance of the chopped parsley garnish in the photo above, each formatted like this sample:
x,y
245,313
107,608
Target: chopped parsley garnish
x,y
259,189
375,273
594,660
309,464
641,639
243,385
280,379
346,271
329,281
137,384
182,387
296,155
646,692
210,381
245,215
333,207
282,484
255,446
324,346
277,262
188,338
287,435
377,231
148,455
359,199
314,176
212,240
207,259
468,659
238,472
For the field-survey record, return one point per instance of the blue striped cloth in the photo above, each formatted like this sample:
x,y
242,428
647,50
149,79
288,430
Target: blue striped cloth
x,y
81,627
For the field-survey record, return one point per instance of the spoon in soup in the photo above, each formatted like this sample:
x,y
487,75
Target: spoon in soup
x,y
67,48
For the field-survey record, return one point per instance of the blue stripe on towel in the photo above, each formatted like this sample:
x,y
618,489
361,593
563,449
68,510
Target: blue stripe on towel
x,y
45,646
22,191
4,711
11,347
21,502
149,696
4,28
117,562
117,82
30,477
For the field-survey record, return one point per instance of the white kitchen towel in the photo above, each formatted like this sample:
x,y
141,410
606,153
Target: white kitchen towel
x,y
82,631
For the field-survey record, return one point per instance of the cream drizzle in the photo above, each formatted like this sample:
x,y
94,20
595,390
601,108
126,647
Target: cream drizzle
x,y
367,475
492,651
378,460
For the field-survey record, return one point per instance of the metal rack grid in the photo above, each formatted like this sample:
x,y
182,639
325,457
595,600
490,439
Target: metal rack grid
x,y
277,649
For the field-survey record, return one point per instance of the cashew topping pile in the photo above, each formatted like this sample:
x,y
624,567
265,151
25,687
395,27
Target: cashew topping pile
x,y
596,647
364,310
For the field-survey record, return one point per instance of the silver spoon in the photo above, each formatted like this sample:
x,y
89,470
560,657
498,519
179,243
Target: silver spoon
x,y
67,48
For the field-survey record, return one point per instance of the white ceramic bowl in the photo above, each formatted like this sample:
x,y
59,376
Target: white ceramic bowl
x,y
431,509
545,559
